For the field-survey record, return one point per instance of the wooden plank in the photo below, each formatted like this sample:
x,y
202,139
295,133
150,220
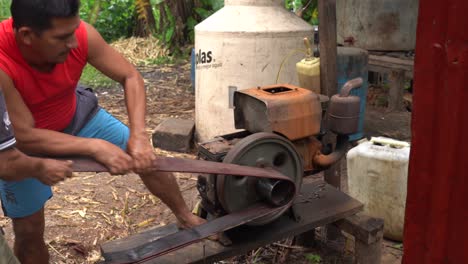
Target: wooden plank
x,y
381,69
390,63
318,204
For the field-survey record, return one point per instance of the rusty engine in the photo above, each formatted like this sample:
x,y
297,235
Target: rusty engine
x,y
283,128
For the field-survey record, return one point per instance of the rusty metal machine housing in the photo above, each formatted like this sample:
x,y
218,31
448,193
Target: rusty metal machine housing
x,y
282,128
284,109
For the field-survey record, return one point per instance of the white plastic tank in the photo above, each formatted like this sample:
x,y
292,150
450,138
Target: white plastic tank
x,y
242,46
377,177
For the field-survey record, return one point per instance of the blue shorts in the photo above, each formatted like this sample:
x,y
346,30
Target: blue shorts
x,y
26,197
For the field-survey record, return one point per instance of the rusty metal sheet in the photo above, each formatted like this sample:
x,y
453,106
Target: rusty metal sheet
x,y
436,229
285,109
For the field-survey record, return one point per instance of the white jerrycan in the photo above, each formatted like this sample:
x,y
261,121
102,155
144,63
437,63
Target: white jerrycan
x,y
377,177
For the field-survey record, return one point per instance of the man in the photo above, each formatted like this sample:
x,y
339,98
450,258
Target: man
x,y
43,50
15,166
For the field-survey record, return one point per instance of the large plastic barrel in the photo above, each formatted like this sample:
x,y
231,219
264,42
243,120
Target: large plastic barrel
x,y
377,177
353,63
242,46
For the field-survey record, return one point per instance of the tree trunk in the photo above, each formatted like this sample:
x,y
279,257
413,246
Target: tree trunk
x,y
146,23
181,10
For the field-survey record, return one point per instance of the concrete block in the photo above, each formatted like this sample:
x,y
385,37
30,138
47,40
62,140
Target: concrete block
x,y
174,135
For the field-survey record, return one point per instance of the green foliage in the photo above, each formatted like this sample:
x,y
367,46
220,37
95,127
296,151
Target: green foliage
x,y
306,8
205,9
114,20
94,78
5,9
313,258
167,28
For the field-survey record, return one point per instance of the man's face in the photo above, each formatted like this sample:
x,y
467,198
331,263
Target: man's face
x,y
54,44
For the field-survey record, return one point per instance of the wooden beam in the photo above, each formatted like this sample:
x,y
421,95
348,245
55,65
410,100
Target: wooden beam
x,y
329,82
395,95
327,36
317,205
328,78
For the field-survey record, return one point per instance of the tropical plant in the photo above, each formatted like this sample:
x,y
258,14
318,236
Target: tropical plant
x,y
145,19
113,18
307,9
5,9
176,19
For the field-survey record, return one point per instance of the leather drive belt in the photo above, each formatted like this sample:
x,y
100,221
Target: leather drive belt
x,y
186,237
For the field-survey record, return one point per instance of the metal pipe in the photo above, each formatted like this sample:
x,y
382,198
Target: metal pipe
x,y
276,192
349,85
325,161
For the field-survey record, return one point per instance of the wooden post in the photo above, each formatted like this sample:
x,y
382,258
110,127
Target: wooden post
x,y
395,94
328,82
328,79
368,236
327,36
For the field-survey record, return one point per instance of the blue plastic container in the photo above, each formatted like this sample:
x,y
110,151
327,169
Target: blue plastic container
x,y
353,63
192,69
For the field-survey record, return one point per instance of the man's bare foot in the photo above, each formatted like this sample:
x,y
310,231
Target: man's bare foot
x,y
190,220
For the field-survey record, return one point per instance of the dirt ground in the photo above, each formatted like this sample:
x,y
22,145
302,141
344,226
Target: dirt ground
x,y
90,208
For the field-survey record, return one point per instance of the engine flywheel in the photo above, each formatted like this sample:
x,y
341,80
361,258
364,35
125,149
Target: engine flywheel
x,y
257,150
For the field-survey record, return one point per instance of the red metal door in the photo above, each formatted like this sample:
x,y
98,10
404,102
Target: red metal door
x,y
436,223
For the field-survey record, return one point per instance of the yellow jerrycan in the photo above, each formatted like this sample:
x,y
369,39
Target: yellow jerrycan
x,y
308,71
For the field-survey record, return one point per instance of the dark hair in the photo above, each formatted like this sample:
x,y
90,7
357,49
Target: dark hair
x,y
38,14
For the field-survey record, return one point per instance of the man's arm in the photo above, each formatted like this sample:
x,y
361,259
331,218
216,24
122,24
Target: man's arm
x,y
51,143
39,141
114,65
15,166
9,161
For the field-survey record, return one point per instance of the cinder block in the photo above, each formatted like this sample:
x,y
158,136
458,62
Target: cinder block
x,y
174,135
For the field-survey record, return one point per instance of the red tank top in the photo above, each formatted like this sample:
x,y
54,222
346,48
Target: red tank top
x,y
49,96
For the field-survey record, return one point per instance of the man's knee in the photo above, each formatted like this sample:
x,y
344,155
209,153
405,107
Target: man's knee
x,y
29,228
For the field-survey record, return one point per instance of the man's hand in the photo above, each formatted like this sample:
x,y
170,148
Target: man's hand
x,y
51,171
142,153
115,159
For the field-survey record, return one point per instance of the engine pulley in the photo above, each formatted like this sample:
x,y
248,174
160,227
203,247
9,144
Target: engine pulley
x,y
259,150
